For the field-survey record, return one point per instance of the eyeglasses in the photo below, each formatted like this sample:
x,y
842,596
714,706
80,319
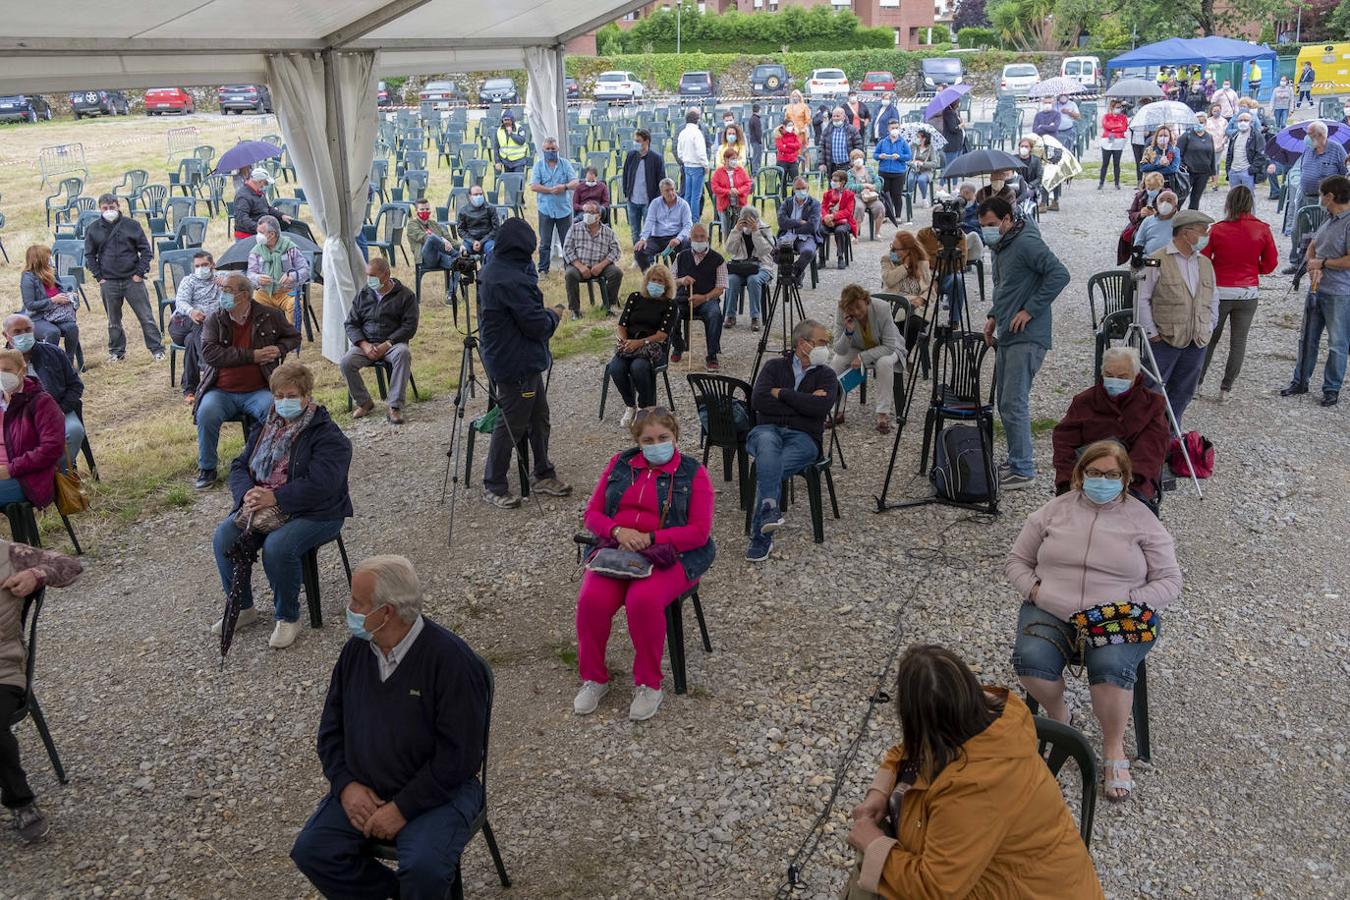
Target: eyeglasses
x,y
1098,473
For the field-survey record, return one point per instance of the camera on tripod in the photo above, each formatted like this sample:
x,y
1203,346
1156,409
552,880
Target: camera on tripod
x,y
947,222
786,257
1139,261
466,267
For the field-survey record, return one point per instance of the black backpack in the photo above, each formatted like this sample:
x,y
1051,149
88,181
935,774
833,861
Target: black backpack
x,y
959,472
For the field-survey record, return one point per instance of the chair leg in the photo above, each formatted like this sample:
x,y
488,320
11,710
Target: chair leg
x,y
309,570
346,564
70,530
496,854
675,638
604,393
670,398
817,511
88,452
40,721
702,625
747,490
834,501
1140,713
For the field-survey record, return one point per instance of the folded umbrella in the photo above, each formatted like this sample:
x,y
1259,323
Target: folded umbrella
x,y
945,98
981,162
1135,87
246,153
1053,87
1287,146
242,554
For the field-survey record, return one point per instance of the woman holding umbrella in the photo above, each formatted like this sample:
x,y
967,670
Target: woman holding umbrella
x,y
1114,125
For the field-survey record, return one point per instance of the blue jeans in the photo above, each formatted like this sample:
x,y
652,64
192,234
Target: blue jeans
x,y
11,491
218,407
1180,369
435,256
637,214
1281,115
779,453
74,437
736,286
1236,178
693,189
280,558
467,247
1041,653
1015,367
921,182
1332,313
327,850
709,312
547,225
635,378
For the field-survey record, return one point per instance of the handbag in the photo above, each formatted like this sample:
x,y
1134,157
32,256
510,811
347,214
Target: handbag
x,y
743,267
1115,623
630,565
71,496
1181,183
261,521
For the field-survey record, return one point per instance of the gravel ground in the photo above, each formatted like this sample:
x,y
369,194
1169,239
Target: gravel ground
x,y
190,781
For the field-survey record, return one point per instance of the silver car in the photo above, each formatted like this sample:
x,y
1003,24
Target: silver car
x,y
1017,79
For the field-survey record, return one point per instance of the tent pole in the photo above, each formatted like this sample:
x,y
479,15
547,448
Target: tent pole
x,y
337,150
560,98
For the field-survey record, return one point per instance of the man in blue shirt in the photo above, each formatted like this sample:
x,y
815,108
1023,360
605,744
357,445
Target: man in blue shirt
x,y
665,228
1321,159
551,179
1328,302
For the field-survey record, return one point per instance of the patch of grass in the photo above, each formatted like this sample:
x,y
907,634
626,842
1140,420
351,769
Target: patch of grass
x,y
1038,427
566,654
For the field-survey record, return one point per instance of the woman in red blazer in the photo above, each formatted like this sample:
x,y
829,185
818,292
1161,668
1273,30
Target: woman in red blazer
x,y
1242,249
836,213
1114,125
731,189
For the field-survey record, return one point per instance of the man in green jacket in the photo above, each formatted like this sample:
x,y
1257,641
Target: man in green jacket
x,y
1027,279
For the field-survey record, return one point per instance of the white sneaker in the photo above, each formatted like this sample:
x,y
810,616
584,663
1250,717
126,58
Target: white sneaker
x,y
246,617
628,415
284,634
589,697
646,701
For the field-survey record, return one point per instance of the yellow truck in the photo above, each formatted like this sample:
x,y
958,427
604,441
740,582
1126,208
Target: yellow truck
x,y
1331,68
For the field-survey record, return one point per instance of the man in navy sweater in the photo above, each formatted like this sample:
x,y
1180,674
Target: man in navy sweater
x,y
793,394
401,742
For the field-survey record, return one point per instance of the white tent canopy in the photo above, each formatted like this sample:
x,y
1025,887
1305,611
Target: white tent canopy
x,y
321,58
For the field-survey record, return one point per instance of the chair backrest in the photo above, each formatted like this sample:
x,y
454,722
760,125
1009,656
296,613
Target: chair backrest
x,y
1115,289
395,216
717,394
901,308
289,205
86,218
32,608
769,180
1308,220
71,187
178,265
477,169
67,255
153,197
179,208
511,186
1057,743
77,207
135,179
960,366
191,231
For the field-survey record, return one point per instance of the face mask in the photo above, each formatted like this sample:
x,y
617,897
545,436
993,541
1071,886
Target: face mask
x,y
1346,110
801,195
424,214
1163,140
1199,127
110,215
590,182
839,185
1165,208
699,246
550,155
837,122
1200,244
226,301
731,139
1024,152
373,283
990,234
789,130
895,257
288,407
1244,126
1047,106
260,240
1116,386
655,289
23,342
895,134
356,624
590,218
734,163
477,199
658,454
1152,195
637,145
1309,143
996,184
202,272
9,382
819,356
1102,490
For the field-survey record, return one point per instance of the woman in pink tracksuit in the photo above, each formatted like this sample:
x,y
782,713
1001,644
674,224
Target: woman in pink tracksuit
x,y
655,501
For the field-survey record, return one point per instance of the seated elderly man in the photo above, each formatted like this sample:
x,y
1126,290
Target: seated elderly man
x,y
701,280
380,325
276,266
1122,408
59,378
242,344
401,743
591,251
251,206
198,296
432,245
799,225
665,228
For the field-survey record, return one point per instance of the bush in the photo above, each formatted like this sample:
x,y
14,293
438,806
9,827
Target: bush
x,y
734,32
977,37
609,40
941,34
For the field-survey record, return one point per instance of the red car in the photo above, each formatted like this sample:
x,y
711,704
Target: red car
x,y
159,101
878,81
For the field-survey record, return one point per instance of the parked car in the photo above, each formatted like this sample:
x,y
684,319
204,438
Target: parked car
x,y
877,81
770,79
382,93
938,72
159,101
1086,70
99,103
827,83
697,84
1017,79
24,108
620,86
572,88
238,97
498,90
442,93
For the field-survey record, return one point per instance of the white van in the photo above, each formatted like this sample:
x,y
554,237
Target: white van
x,y
1086,70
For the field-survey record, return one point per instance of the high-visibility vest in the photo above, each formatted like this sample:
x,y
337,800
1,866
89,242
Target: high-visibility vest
x,y
508,149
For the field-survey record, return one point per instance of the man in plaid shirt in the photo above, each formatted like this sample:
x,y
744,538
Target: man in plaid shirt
x,y
591,251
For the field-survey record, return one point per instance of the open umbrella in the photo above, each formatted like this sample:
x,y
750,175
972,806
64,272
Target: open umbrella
x,y
1053,87
910,132
1135,87
1162,112
246,153
237,256
945,98
1287,146
981,162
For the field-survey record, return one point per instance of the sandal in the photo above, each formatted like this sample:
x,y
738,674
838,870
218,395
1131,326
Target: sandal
x,y
1112,767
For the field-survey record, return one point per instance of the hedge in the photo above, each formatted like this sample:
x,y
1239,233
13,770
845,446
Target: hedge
x,y
819,28
977,37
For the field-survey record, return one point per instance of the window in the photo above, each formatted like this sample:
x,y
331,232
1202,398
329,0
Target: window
x,y
885,3
702,7
841,2
897,37
759,4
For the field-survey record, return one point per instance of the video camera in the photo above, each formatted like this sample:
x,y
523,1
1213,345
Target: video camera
x,y
466,267
786,256
1139,261
947,222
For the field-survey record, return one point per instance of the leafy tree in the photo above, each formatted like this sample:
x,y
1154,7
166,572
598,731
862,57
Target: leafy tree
x,y
1023,24
969,14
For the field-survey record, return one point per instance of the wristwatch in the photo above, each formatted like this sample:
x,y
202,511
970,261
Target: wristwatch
x,y
646,341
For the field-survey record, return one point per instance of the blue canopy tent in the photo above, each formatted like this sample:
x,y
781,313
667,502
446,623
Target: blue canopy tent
x,y
1204,51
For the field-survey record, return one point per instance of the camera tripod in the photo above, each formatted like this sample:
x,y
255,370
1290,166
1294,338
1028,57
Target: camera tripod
x,y
786,303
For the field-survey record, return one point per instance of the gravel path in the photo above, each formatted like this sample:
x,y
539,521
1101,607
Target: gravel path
x,y
187,781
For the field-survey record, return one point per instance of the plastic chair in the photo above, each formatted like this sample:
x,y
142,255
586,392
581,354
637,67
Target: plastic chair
x,y
768,187
1139,709
68,260
382,367
129,188
511,192
1114,327
24,527
958,364
663,370
66,191
716,396
152,198
174,266
386,235
32,608
189,234
1307,220
1115,288
309,573
1057,743
68,217
812,474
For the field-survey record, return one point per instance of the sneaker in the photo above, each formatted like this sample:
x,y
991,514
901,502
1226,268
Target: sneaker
x,y
32,824
629,414
158,356
246,617
284,634
1011,481
676,356
114,358
759,549
502,501
1293,390
730,322
754,324
1224,394
770,517
552,487
589,697
205,478
646,701
711,364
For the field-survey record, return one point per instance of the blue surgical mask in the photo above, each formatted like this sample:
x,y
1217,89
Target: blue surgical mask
x,y
23,342
659,454
288,407
356,624
373,283
637,145
655,289
1116,386
550,156
1102,490
895,257
1200,244
1309,143
226,301
990,234
801,195
477,199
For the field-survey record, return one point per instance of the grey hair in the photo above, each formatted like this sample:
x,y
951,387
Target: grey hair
x,y
749,212
271,222
665,182
1127,354
968,184
548,140
1318,126
13,319
804,330
396,585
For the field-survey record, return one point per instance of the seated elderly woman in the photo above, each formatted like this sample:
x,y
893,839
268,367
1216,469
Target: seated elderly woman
x,y
1155,232
975,799
865,335
290,495
652,501
1095,569
906,270
276,266
33,436
749,249
1119,407
867,188
644,326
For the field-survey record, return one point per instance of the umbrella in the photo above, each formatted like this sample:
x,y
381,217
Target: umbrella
x,y
1287,146
1053,173
1162,112
1052,87
243,553
981,162
945,98
910,132
246,153
237,256
1135,87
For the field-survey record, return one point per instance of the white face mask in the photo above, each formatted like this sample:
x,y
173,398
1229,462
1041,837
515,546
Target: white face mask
x,y
819,356
1024,152
110,215
1165,208
699,246
9,382
590,182
202,272
590,218
996,183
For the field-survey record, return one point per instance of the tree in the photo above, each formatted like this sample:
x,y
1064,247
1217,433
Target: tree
x,y
1338,23
969,14
1023,24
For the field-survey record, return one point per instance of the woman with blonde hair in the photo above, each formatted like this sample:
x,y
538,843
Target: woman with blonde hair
x,y
906,269
799,115
644,326
51,308
732,138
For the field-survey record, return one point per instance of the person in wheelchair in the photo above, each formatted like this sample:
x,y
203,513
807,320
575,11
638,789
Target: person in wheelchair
x,y
1119,407
652,501
865,335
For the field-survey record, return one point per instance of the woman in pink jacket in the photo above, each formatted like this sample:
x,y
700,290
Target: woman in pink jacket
x,y
656,502
1094,567
33,438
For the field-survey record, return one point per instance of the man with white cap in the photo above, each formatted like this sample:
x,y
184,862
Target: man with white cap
x,y
250,204
1179,307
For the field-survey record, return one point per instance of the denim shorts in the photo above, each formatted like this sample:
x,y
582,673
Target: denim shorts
x,y
1041,654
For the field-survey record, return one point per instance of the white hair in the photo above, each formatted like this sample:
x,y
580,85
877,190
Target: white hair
x,y
1128,355
1318,127
396,585
14,318
665,182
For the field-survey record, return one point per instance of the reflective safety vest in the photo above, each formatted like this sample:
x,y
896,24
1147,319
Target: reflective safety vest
x,y
510,145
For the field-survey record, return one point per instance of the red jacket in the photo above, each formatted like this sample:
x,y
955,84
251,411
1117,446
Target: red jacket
x,y
35,441
841,204
1114,125
1136,418
722,185
1241,251
788,146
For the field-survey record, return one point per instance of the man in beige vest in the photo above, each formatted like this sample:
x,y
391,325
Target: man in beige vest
x,y
1179,307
